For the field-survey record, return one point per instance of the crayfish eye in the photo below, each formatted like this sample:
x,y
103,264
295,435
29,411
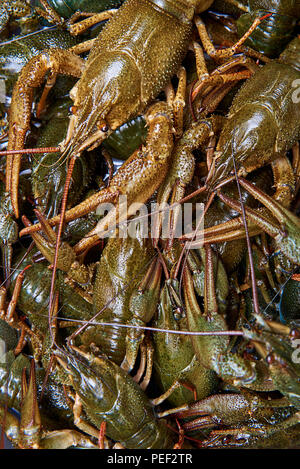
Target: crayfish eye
x,y
270,358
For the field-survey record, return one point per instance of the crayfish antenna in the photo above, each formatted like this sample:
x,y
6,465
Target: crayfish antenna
x,y
58,238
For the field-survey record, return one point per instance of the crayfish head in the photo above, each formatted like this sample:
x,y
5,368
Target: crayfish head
x,y
92,378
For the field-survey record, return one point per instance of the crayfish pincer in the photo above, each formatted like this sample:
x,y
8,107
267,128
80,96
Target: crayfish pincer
x,y
108,394
131,61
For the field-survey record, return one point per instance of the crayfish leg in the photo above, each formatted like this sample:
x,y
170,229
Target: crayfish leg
x,y
284,180
221,76
244,436
49,13
80,422
9,315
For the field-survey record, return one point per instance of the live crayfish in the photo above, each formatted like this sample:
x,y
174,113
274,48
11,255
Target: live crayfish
x,y
274,343
103,389
86,399
99,384
175,363
224,368
239,135
247,135
32,431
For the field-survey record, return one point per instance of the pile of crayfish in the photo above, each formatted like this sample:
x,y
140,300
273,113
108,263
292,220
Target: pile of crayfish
x,y
149,222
